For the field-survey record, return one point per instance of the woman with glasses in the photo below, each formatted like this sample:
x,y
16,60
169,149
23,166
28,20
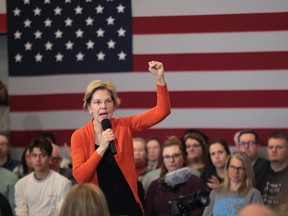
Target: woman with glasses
x,y
196,150
237,189
102,150
175,180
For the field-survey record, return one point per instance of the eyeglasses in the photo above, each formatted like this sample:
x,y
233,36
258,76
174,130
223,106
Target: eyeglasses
x,y
249,143
57,159
99,102
193,146
234,168
174,156
3,144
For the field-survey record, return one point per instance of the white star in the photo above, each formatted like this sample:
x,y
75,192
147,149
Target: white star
x,y
110,20
78,10
100,32
16,12
89,21
48,22
99,9
68,22
38,34
18,58
59,57
26,1
88,0
122,55
121,32
101,56
28,46
38,57
79,33
80,56
57,10
48,45
58,34
69,45
111,44
90,44
37,11
17,35
27,23
120,8
47,2
67,1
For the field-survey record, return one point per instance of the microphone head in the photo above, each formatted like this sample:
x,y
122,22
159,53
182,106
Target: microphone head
x,y
106,124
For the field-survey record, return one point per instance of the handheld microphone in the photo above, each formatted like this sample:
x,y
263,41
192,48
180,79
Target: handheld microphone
x,y
106,124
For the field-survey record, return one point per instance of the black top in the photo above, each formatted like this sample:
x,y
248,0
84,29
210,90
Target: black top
x,y
10,164
274,189
260,170
5,208
112,182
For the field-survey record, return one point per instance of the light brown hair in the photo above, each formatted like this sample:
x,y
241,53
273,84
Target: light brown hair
x,y
99,84
85,199
248,181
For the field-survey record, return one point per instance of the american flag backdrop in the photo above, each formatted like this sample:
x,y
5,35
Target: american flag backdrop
x,y
226,63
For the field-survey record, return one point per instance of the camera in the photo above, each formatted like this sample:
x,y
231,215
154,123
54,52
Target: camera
x,y
181,206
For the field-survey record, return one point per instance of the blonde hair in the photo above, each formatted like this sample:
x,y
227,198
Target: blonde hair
x,y
85,199
98,84
248,182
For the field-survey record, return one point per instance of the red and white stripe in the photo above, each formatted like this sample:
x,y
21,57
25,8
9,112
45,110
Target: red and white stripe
x,y
226,67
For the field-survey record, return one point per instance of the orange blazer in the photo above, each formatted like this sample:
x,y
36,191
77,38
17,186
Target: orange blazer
x,y
85,159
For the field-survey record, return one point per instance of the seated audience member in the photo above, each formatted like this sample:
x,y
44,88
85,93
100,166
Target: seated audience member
x,y
237,189
152,172
4,108
5,208
274,185
196,149
256,210
164,189
26,165
218,153
7,184
153,149
66,161
85,199
249,143
43,191
5,160
139,156
55,164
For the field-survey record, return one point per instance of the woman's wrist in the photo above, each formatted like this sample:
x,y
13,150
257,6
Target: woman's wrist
x,y
160,80
100,150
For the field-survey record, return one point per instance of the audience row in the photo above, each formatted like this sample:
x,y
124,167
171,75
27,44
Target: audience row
x,y
169,175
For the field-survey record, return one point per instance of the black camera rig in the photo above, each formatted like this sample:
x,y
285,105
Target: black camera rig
x,y
181,206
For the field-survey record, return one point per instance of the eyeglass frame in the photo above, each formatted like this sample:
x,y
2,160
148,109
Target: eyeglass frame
x,y
57,159
237,169
249,143
173,156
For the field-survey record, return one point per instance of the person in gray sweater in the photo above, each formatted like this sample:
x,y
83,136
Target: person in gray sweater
x,y
237,189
